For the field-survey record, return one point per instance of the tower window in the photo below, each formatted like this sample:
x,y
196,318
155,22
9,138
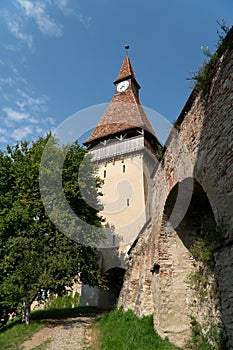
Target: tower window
x,y
123,168
105,173
127,202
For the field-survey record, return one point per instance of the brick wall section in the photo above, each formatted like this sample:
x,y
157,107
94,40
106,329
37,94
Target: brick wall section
x,y
138,279
202,149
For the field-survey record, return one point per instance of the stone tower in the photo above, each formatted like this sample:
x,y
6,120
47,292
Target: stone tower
x,y
124,146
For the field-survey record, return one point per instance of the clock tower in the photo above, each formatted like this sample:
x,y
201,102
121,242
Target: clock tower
x,y
124,147
126,78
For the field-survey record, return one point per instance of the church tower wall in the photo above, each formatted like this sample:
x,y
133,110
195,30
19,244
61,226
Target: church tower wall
x,y
123,145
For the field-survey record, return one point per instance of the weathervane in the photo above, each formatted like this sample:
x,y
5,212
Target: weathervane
x,y
127,49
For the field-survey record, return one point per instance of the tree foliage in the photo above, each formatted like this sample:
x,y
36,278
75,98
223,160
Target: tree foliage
x,y
34,255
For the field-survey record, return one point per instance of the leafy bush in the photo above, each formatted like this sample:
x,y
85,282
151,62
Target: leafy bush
x,y
204,77
66,301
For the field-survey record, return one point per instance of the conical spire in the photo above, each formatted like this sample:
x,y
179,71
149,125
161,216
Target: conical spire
x,y
124,112
126,71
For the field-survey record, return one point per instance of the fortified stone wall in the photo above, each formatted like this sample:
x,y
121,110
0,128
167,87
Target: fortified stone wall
x,y
193,181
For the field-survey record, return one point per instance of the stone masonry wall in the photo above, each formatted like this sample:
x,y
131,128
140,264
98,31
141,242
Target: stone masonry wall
x,y
160,261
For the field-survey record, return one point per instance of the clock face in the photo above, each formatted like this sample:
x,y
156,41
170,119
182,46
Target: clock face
x,y
122,86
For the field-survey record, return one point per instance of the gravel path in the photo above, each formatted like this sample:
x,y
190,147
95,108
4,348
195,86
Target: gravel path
x,y
67,334
72,334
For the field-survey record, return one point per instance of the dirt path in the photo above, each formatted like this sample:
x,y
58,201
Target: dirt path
x,y
69,334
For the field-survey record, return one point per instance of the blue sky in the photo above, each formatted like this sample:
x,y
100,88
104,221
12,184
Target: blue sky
x,y
58,57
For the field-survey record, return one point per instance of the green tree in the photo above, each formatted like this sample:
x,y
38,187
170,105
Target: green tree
x,y
35,256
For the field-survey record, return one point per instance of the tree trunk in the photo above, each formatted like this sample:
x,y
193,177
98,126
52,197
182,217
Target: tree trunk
x,y
26,312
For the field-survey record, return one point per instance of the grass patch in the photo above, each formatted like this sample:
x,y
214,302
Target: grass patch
x,y
124,331
116,330
14,333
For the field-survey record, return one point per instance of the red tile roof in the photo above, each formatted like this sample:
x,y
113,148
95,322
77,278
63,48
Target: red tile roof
x,y
126,70
124,111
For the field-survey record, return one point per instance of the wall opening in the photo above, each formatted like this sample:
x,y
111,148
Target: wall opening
x,y
198,212
115,278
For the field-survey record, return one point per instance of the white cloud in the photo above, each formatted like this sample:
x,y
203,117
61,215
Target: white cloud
x,y
6,81
49,120
3,131
15,27
39,131
14,115
42,13
12,47
6,97
35,104
17,75
24,112
86,21
21,133
33,120
62,4
59,3
37,11
3,139
20,104
12,79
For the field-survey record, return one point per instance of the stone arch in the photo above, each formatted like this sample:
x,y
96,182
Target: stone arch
x,y
173,296
197,212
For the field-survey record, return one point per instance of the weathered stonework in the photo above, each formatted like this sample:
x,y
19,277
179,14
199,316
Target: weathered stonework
x,y
160,260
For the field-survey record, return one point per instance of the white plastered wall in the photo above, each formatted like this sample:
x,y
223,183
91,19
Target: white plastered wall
x,y
123,197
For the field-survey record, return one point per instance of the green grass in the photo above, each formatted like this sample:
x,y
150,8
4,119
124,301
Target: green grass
x,y
14,333
116,330
124,331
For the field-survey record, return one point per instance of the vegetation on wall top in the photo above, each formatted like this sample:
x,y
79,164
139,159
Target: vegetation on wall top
x,y
204,76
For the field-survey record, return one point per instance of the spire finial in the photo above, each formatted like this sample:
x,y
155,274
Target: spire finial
x,y
127,49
